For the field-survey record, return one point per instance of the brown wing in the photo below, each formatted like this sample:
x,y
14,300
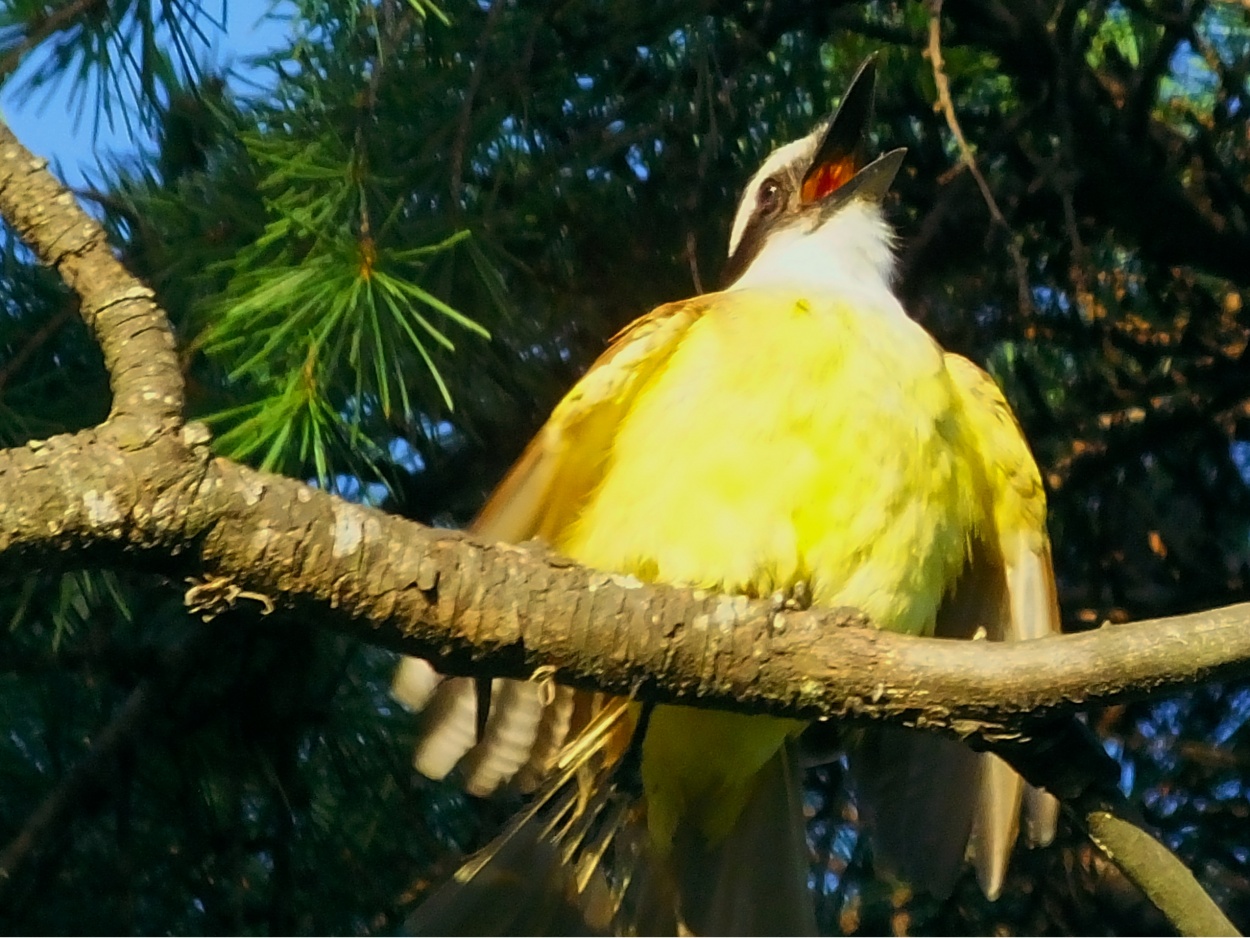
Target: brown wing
x,y
915,786
538,498
1023,606
1018,506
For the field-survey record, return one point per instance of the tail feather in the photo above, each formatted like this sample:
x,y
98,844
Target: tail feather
x,y
519,885
520,730
996,822
552,732
1034,614
756,881
415,683
570,863
931,802
917,794
580,859
1041,816
508,738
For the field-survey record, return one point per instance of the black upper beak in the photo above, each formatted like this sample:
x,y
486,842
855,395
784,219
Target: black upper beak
x,y
846,140
840,170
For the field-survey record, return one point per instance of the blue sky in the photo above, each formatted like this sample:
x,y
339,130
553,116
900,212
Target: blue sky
x,y
44,121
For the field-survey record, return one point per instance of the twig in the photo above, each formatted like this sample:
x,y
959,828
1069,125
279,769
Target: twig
x,y
947,106
1068,760
61,804
461,142
1125,432
709,144
847,19
692,258
59,19
36,341
1064,183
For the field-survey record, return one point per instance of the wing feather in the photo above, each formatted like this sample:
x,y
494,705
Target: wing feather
x,y
538,498
916,790
1018,501
541,494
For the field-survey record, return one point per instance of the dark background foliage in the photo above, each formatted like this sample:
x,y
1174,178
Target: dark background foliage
x,y
336,237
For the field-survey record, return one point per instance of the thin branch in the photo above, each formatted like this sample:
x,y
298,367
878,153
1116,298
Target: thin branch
x,y
692,260
1071,763
464,120
947,106
1120,162
63,802
1124,434
58,19
1063,180
36,341
852,21
1159,874
133,332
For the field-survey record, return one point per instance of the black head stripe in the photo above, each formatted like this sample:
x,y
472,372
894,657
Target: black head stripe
x,y
760,225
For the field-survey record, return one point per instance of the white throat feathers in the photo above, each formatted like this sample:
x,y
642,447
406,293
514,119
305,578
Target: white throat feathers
x,y
849,252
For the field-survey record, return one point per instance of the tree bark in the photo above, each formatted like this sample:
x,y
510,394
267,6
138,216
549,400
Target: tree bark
x,y
143,490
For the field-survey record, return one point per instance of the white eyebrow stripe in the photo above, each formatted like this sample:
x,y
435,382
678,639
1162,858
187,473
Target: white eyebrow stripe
x,y
798,151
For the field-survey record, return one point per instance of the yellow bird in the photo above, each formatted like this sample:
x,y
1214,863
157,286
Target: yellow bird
x,y
794,435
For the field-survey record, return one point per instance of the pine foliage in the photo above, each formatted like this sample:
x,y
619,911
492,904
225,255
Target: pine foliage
x,y
389,246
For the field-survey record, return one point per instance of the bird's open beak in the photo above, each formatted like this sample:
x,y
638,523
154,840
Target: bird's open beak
x,y
841,163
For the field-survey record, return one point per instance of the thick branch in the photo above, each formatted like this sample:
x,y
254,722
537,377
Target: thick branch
x,y
147,496
499,609
137,493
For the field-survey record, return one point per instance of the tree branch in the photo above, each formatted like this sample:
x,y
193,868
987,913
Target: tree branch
x,y
1068,761
62,802
1158,874
160,501
142,490
66,799
36,340
933,50
41,27
499,609
1120,160
133,332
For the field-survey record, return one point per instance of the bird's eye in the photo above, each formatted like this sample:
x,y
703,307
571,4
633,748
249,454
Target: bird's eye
x,y
769,201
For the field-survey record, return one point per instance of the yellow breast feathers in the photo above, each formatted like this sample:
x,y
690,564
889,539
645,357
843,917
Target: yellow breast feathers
x,y
785,440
